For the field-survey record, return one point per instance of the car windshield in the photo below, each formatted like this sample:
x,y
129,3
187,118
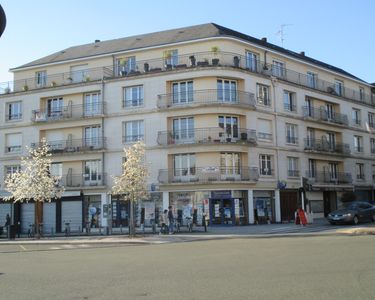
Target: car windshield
x,y
352,206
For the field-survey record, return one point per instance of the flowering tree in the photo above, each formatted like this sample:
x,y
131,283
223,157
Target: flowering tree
x,y
132,183
34,181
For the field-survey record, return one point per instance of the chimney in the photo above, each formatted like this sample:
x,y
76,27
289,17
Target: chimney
x,y
302,53
97,41
264,39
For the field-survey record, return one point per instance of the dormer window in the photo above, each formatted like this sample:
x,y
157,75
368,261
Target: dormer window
x,y
41,78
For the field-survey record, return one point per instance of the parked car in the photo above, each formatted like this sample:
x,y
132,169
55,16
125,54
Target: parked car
x,y
354,212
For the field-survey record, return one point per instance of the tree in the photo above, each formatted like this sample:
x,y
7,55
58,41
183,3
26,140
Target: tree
x,y
132,183
34,181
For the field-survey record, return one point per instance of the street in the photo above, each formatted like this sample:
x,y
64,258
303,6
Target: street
x,y
316,267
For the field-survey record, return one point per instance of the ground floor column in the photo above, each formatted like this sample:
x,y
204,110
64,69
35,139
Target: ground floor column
x,y
104,201
250,199
277,206
165,200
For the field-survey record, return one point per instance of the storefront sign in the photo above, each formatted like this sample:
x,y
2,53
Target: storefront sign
x,y
210,170
221,194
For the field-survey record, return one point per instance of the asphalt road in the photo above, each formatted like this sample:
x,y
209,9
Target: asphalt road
x,y
322,267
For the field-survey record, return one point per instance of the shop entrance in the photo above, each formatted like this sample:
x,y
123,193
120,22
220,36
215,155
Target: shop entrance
x,y
222,211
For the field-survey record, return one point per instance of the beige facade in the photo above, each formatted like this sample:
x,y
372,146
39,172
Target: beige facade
x,y
230,127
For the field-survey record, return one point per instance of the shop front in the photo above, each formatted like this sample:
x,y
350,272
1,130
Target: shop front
x,y
264,207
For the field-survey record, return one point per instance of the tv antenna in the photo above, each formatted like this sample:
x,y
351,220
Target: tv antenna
x,y
281,33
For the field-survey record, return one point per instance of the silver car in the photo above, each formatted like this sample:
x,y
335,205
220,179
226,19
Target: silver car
x,y
354,213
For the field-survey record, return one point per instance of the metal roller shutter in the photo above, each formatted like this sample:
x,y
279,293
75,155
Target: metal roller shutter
x,y
71,212
49,217
27,216
4,210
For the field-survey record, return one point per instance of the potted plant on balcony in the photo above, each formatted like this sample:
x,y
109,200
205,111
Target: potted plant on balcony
x,y
167,55
25,88
7,90
215,50
146,67
53,83
87,78
236,62
192,60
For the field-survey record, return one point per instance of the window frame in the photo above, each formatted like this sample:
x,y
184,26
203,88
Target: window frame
x,y
14,116
290,104
139,101
139,128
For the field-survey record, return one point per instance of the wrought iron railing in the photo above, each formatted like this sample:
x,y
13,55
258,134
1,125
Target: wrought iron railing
x,y
204,97
265,136
83,180
75,111
320,114
325,146
293,173
75,145
208,174
329,177
211,135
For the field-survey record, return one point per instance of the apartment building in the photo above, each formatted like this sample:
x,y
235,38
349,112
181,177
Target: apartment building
x,y
231,125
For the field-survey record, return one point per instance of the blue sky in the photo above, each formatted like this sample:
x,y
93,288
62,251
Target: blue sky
x,y
340,33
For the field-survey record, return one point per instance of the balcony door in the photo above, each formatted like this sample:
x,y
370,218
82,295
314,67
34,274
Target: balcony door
x,y
309,108
330,138
226,90
79,73
182,92
230,165
92,175
183,130
310,138
92,104
92,137
184,166
333,173
55,107
229,125
330,111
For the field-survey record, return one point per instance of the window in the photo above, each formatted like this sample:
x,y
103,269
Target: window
x,y
230,163
12,169
56,169
170,58
134,131
371,120
373,173
41,78
13,143
278,69
226,90
14,110
263,95
125,65
310,138
230,126
361,94
330,110
264,129
79,73
290,101
55,107
356,116
312,80
182,92
93,104
293,167
183,129
265,164
93,137
358,143
339,87
291,134
184,164
133,96
332,169
329,140
309,108
93,172
251,61
372,145
312,168
360,171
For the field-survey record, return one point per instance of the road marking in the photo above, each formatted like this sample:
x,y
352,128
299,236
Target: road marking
x,y
23,248
54,248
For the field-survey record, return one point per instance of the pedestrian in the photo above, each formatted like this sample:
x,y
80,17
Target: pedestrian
x,y
164,222
7,223
170,219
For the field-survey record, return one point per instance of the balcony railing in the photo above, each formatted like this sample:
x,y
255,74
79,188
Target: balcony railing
x,y
291,140
265,136
75,145
262,101
206,97
83,180
211,135
323,115
326,146
208,175
55,80
13,149
69,112
293,173
329,178
187,61
13,117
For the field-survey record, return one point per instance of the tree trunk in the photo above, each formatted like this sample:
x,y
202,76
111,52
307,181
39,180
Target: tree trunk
x,y
38,217
131,219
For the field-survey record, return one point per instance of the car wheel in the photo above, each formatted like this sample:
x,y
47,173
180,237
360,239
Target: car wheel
x,y
355,220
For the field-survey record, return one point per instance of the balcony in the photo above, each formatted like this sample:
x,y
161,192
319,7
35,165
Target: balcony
x,y
75,145
293,173
319,114
69,112
329,178
211,135
83,180
197,60
207,175
265,136
206,97
56,80
326,147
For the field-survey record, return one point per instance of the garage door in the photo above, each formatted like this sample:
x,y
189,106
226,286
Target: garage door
x,y
49,217
27,216
4,210
71,212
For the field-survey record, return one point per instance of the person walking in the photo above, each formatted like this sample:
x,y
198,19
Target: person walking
x,y
164,222
170,219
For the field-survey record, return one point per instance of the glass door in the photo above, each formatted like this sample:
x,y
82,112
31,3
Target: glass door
x,y
92,105
230,126
183,130
222,211
55,107
92,174
93,137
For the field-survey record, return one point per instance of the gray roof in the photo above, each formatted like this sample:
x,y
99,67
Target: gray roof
x,y
168,37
